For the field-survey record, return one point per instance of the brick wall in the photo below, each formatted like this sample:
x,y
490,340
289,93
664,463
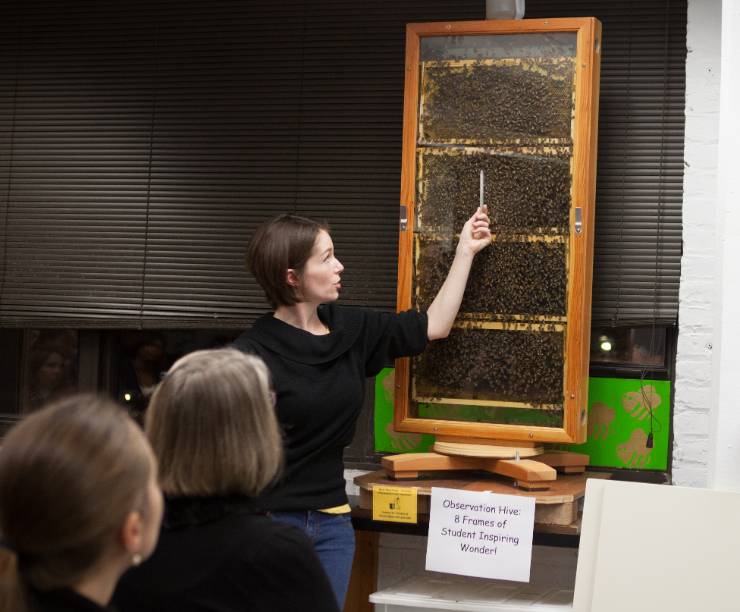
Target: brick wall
x,y
724,443
699,269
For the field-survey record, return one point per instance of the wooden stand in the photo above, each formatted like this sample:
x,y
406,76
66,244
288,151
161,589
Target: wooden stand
x,y
556,509
493,456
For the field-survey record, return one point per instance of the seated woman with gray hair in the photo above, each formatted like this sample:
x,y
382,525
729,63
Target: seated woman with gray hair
x,y
212,426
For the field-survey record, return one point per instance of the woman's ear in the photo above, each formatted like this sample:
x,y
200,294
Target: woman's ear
x,y
132,533
292,278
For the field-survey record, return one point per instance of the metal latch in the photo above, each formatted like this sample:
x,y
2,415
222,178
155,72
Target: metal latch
x,y
404,218
579,219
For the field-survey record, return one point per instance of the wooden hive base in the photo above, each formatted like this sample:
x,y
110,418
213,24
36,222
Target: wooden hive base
x,y
527,465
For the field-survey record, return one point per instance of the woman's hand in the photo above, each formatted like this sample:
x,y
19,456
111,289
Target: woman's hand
x,y
476,233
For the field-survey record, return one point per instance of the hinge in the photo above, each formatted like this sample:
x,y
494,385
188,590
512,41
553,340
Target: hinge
x,y
404,220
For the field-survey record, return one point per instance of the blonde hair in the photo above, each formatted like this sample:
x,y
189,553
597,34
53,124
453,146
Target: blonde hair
x,y
69,475
212,425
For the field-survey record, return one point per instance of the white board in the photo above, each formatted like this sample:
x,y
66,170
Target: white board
x,y
649,548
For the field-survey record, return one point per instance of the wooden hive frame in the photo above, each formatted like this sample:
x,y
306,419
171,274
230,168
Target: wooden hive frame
x,y
580,246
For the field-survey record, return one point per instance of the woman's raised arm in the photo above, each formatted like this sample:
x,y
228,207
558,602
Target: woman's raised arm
x,y
474,237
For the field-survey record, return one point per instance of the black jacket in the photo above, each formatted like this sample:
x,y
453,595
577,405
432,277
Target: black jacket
x,y
62,600
218,555
320,387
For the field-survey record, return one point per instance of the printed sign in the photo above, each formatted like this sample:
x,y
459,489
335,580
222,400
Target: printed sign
x,y
394,504
480,534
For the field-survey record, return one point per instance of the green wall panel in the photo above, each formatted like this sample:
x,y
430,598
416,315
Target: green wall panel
x,y
621,413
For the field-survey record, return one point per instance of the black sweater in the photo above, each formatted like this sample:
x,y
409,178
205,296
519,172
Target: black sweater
x,y
320,386
216,554
62,600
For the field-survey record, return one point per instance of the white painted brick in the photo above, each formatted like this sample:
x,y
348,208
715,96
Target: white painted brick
x,y
697,330
702,127
690,450
703,77
699,187
699,270
692,394
702,95
694,306
702,154
694,371
692,386
691,422
699,212
693,400
695,344
696,313
700,241
699,312
701,226
699,267
703,58
690,476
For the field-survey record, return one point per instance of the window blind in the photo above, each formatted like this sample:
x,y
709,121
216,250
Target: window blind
x,y
151,138
141,144
639,184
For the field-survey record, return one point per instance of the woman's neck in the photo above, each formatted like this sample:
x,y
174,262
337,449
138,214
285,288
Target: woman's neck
x,y
99,584
304,316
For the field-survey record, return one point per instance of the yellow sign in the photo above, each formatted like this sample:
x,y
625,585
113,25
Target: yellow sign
x,y
394,504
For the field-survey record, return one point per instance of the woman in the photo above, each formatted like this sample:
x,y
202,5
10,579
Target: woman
x,y
213,429
79,505
50,378
319,355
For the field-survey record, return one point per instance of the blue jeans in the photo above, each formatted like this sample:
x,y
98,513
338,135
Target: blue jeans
x,y
333,540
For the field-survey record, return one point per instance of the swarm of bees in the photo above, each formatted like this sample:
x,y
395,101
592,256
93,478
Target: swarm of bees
x,y
488,99
517,366
524,193
515,278
512,119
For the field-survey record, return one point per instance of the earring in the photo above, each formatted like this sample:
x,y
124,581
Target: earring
x,y
136,559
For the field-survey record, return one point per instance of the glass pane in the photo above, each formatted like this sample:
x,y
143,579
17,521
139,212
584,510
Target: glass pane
x,y
631,346
515,368
496,114
524,193
142,357
507,278
536,417
50,366
556,44
497,88
11,351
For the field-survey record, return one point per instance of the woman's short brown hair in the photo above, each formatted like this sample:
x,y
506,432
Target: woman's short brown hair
x,y
282,243
212,425
70,474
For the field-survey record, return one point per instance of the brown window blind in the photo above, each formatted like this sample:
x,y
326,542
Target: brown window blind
x,y
148,139
639,184
141,143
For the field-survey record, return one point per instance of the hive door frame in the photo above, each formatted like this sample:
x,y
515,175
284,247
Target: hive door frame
x,y
580,252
